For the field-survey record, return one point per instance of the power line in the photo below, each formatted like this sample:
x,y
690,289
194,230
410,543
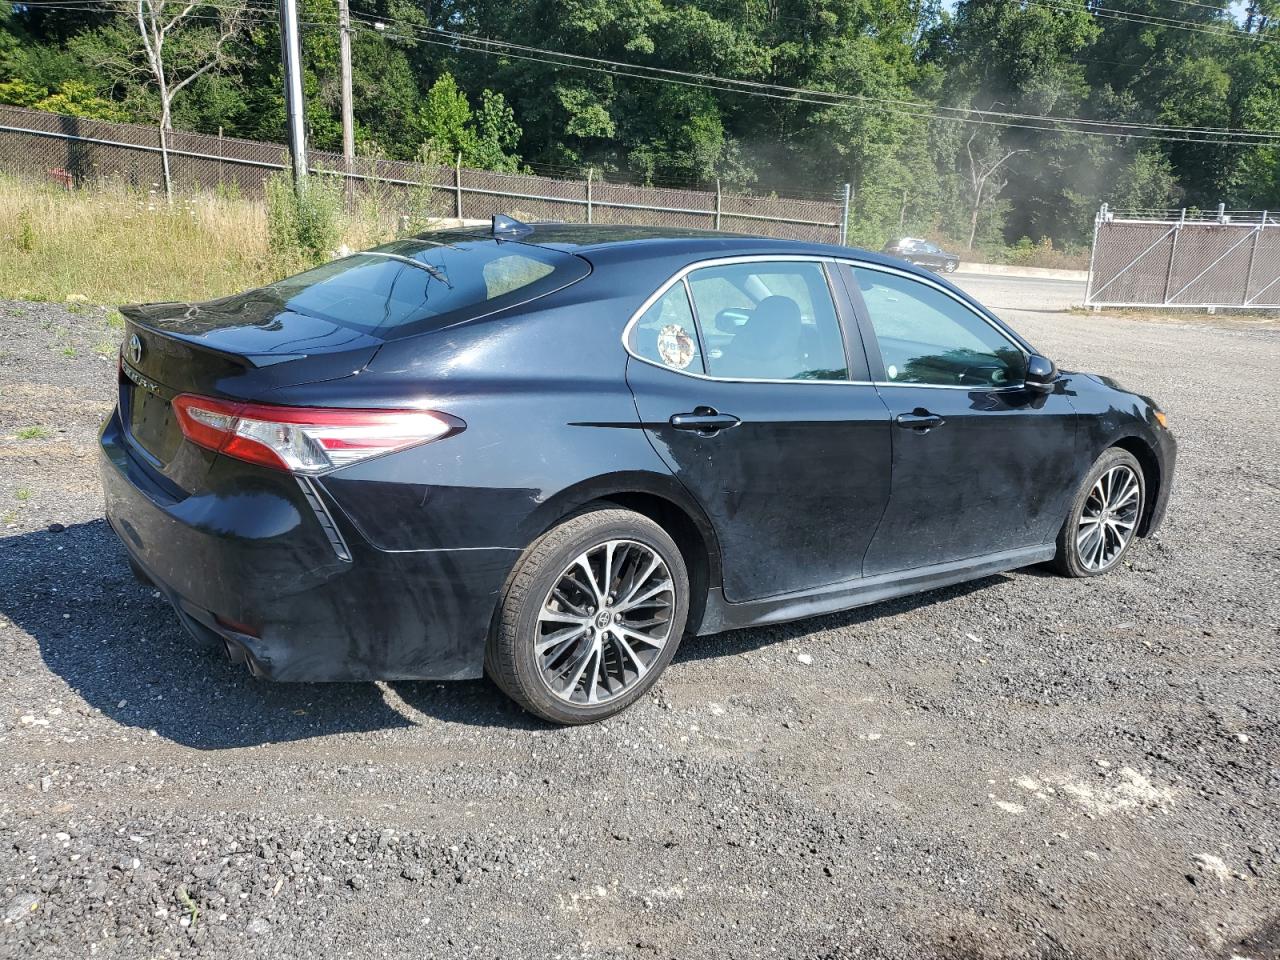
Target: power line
x,y
460,41
469,43
1156,20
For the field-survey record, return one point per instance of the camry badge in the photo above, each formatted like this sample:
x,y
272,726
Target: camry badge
x,y
135,348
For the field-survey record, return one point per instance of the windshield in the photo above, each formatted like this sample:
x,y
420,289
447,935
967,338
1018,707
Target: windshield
x,y
412,286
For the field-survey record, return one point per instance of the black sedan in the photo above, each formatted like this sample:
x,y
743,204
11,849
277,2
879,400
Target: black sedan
x,y
548,453
923,253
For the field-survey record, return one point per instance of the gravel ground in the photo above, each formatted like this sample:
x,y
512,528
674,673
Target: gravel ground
x,y
1022,767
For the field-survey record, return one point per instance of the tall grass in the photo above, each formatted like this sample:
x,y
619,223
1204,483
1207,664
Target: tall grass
x,y
109,243
113,244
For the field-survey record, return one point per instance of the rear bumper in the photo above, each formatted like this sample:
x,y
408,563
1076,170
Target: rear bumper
x,y
256,562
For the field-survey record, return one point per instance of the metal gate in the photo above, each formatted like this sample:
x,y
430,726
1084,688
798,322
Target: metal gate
x,y
1228,258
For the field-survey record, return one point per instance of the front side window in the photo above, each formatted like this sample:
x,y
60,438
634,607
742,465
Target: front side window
x,y
927,337
768,321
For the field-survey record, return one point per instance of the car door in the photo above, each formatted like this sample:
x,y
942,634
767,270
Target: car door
x,y
981,465
750,390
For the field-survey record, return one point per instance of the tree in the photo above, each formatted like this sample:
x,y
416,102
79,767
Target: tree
x,y
487,139
984,183
180,49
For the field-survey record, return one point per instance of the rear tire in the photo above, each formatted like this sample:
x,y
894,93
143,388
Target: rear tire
x,y
591,616
1104,517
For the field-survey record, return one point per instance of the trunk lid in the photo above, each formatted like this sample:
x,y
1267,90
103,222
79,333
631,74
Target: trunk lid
x,y
238,348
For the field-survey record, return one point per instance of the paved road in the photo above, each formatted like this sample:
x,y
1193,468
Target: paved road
x,y
1035,294
1026,767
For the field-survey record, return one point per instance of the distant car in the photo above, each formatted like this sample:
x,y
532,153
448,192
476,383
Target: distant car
x,y
923,254
547,452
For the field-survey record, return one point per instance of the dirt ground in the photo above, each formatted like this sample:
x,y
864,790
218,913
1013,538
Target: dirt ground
x,y
1023,767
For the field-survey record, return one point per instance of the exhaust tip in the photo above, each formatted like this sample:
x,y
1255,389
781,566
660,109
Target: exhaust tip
x,y
234,651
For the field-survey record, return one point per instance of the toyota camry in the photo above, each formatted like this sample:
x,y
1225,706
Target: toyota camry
x,y
547,453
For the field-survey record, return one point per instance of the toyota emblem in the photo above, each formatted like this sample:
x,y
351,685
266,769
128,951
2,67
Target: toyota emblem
x,y
135,349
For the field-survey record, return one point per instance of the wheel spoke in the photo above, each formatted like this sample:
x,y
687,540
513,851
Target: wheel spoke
x,y
566,604
641,667
629,599
585,566
557,639
1099,545
576,669
656,642
559,616
661,587
606,576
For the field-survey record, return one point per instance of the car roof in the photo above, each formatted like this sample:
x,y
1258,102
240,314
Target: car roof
x,y
603,243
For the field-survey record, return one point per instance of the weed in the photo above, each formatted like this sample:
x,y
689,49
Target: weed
x,y
33,433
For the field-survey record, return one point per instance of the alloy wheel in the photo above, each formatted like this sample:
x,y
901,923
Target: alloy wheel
x,y
1109,518
604,622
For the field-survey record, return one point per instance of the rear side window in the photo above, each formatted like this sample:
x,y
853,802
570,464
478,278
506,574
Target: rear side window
x,y
412,286
665,333
768,321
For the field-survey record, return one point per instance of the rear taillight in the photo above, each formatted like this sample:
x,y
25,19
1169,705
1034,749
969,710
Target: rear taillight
x,y
305,439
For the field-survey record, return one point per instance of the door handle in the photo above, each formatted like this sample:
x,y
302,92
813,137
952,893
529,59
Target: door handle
x,y
920,420
704,420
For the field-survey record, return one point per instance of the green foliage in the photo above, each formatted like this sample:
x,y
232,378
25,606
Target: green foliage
x,y
302,224
26,238
902,61
73,98
485,139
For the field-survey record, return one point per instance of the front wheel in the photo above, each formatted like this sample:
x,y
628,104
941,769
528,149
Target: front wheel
x,y
1104,516
951,266
593,614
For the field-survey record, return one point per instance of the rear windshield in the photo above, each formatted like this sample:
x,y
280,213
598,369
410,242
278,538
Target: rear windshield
x,y
412,286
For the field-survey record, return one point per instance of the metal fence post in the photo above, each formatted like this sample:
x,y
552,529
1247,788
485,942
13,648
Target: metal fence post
x,y
457,184
1093,253
1173,252
1253,254
718,203
844,216
590,171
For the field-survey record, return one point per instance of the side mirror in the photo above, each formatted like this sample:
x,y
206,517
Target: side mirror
x,y
1041,374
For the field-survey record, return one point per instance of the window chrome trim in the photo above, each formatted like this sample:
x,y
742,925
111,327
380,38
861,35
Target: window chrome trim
x,y
681,275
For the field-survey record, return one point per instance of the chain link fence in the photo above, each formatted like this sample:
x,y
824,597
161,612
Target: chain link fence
x,y
73,150
1164,258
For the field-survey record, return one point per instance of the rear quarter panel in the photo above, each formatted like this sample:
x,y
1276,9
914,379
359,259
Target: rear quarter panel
x,y
550,424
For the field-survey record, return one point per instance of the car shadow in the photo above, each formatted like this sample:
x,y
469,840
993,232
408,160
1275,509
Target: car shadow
x,y
744,641
119,646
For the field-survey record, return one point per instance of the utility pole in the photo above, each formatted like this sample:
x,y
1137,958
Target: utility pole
x,y
295,109
344,58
